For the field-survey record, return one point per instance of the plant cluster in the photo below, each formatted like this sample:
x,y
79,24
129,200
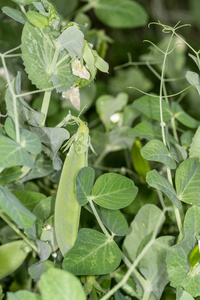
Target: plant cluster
x,y
99,192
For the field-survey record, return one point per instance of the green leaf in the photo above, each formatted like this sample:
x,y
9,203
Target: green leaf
x,y
100,63
28,199
23,295
140,164
92,254
150,106
184,296
71,39
12,256
183,117
37,53
9,175
146,130
159,182
114,220
15,210
58,284
84,184
144,223
37,19
193,79
12,154
107,105
113,191
181,273
155,150
195,145
14,14
120,13
24,2
187,182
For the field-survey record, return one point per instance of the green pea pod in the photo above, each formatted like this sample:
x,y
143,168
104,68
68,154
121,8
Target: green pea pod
x,y
194,257
37,19
12,256
67,208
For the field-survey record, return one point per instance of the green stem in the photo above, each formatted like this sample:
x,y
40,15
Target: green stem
x,y
18,232
45,106
12,50
174,129
99,219
14,100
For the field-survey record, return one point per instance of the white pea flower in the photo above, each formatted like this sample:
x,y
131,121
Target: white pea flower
x,y
79,70
73,95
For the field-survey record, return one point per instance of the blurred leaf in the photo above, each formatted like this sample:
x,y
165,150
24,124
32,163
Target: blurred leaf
x,y
140,164
146,130
23,295
14,14
194,149
107,105
193,79
24,2
130,286
183,117
120,13
61,6
97,254
113,191
9,175
28,199
12,255
150,106
187,181
159,182
183,295
59,284
155,150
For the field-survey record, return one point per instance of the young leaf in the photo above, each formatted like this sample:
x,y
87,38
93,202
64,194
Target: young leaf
x,y
12,256
71,39
159,182
181,273
12,154
150,106
84,184
15,210
113,191
187,181
120,13
155,150
106,106
58,284
92,254
14,14
195,145
37,19
183,117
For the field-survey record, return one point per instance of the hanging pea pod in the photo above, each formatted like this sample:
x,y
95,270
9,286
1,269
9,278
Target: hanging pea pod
x,y
67,208
12,256
194,257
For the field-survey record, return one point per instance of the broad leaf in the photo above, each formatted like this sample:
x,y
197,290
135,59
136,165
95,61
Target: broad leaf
x,y
120,13
23,295
92,254
58,284
37,53
146,130
144,223
155,150
107,105
183,117
181,273
12,154
114,221
159,182
113,191
188,181
71,39
84,184
28,198
15,210
10,174
150,106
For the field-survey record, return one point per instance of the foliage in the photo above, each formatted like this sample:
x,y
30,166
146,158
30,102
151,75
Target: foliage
x,y
99,173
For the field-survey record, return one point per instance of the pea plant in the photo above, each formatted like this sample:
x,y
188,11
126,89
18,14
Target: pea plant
x,y
72,226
